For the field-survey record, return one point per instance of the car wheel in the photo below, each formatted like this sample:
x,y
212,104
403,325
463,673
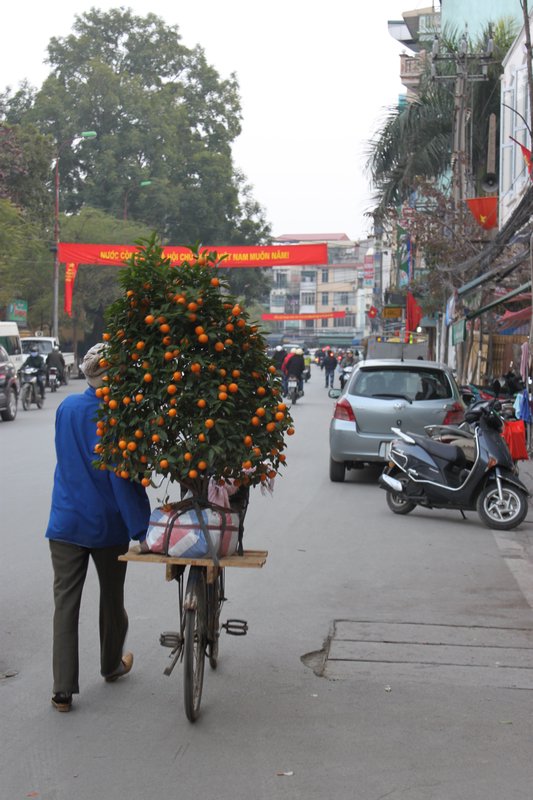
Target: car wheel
x,y
337,471
10,412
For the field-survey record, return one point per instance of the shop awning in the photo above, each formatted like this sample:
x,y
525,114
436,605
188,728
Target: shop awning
x,y
513,319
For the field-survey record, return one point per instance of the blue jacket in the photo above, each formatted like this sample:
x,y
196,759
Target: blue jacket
x,y
90,507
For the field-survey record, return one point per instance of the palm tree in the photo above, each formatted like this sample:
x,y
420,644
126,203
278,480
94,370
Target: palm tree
x,y
416,139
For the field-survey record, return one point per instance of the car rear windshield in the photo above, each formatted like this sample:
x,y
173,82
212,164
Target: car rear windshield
x,y
413,384
43,347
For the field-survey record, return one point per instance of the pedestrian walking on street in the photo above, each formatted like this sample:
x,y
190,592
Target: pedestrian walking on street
x,y
94,514
329,365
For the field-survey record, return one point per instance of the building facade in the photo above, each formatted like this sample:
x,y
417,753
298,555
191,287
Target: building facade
x,y
327,304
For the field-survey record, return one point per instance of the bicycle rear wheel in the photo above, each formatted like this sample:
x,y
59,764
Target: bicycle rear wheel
x,y
195,641
215,598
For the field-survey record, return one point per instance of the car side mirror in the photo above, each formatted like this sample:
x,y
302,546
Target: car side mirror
x,y
334,393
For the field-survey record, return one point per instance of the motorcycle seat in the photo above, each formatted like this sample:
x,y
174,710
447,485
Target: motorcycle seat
x,y
450,453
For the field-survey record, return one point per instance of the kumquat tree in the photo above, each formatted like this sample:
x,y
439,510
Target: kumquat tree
x,y
189,390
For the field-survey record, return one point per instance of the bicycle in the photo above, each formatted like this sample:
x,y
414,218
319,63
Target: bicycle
x,y
200,604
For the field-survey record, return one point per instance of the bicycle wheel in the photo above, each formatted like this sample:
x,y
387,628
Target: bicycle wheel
x,y
215,598
195,642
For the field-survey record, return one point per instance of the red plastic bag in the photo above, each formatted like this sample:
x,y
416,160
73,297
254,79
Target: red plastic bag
x,y
514,433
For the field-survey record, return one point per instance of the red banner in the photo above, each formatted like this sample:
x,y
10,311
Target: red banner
x,y
70,276
319,315
236,256
413,313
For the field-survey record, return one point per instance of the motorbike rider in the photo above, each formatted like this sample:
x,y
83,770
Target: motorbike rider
x,y
307,364
55,359
294,364
284,373
279,357
36,361
347,360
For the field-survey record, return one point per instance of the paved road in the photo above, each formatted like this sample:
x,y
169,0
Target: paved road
x,y
387,657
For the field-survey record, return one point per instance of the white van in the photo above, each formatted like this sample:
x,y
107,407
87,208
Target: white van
x,y
10,340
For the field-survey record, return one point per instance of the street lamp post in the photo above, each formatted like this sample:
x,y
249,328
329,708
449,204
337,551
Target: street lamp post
x,y
140,184
82,135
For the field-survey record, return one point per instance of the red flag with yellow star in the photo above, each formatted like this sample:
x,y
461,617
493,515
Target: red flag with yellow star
x,y
485,210
527,155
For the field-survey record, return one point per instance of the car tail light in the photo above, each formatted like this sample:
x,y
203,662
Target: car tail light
x,y
454,415
344,411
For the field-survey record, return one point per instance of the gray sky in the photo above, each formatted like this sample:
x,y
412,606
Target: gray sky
x,y
315,79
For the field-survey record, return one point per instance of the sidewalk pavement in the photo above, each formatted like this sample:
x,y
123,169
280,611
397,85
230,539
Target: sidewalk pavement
x,y
526,474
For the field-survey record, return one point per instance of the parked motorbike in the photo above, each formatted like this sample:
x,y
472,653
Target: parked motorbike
x,y
29,388
53,378
344,375
471,470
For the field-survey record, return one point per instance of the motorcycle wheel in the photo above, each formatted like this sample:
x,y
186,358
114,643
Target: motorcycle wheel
x,y
294,396
53,385
504,514
26,396
397,502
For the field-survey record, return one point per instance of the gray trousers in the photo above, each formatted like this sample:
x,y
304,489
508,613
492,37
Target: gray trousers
x,y
70,563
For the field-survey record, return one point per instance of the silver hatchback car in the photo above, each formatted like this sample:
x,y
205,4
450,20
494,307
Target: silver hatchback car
x,y
383,393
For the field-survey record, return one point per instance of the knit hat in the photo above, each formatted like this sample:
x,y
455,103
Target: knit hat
x,y
90,366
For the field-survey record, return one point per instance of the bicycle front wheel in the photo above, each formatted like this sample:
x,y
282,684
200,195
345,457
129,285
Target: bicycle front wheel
x,y
195,641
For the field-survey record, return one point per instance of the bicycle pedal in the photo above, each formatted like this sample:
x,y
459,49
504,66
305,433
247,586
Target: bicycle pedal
x,y
170,639
236,627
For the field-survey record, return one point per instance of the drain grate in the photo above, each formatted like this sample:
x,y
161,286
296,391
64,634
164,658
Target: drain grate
x,y
459,654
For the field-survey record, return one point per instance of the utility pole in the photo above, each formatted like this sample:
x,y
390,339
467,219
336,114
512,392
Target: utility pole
x,y
469,67
527,35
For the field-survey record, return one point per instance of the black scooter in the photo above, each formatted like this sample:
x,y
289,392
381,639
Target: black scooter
x,y
465,470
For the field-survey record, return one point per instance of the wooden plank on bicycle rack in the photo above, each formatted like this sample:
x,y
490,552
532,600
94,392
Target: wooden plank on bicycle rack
x,y
250,558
